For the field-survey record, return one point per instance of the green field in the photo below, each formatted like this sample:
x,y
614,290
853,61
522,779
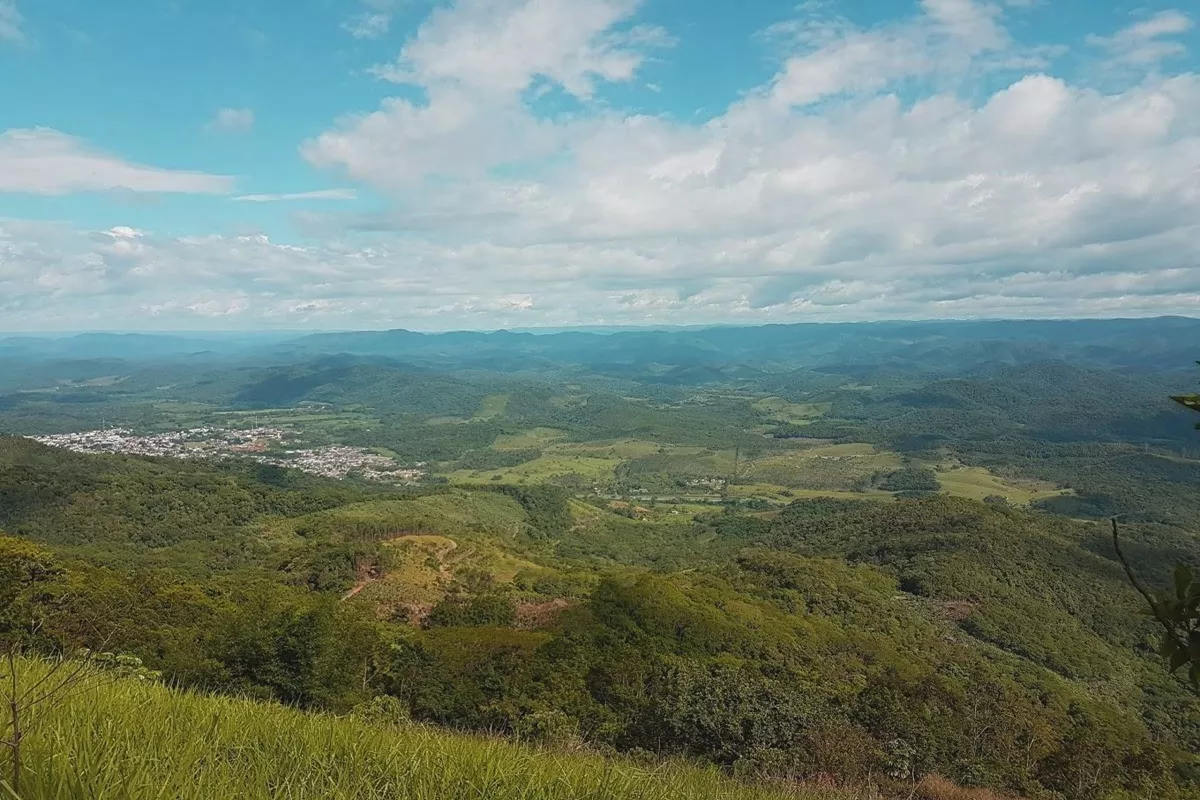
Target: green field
x,y
530,439
839,467
978,483
779,409
593,461
494,405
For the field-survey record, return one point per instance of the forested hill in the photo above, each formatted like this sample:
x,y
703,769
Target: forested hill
x,y
1162,343
1150,343
859,639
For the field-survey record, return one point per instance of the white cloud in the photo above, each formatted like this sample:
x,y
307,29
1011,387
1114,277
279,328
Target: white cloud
x,y
368,25
1146,43
319,194
232,120
46,161
501,46
872,176
11,23
475,61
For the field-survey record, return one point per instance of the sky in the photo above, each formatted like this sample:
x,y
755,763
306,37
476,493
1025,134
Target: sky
x,y
481,164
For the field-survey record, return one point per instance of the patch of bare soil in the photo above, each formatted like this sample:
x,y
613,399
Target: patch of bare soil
x,y
530,616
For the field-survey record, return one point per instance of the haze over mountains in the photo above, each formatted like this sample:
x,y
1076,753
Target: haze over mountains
x,y
1150,343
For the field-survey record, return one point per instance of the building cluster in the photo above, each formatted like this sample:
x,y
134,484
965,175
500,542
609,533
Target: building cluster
x,y
338,461
265,445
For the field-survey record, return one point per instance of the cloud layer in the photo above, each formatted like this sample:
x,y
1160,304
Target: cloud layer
x,y
45,161
869,177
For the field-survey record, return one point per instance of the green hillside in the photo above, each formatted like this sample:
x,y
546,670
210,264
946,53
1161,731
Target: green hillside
x,y
121,738
878,641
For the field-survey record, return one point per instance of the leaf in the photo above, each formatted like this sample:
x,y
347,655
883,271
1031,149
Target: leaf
x,y
1183,580
1169,648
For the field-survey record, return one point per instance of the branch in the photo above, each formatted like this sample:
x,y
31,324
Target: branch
x,y
1167,625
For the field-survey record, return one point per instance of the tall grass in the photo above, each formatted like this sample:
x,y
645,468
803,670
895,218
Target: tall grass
x,y
135,741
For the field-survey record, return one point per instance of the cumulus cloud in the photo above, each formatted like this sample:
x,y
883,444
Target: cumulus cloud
x,y
929,167
1149,41
232,120
476,60
46,161
319,194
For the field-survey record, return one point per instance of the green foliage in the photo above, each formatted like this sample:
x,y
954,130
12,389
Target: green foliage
x,y
910,479
495,459
1180,614
29,576
981,641
480,611
155,742
546,508
1178,611
381,710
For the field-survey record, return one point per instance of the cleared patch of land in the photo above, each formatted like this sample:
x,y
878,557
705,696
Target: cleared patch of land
x,y
842,467
978,483
784,494
593,461
534,438
492,406
796,413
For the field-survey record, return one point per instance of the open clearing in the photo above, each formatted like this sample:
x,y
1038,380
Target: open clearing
x,y
595,461
977,483
842,467
535,438
492,406
783,410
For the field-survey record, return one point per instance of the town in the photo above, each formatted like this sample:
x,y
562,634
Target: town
x,y
261,444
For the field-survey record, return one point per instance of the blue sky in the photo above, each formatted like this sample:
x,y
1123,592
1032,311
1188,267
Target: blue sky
x,y
211,164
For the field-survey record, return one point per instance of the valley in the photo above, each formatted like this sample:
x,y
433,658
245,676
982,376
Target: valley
x,y
890,575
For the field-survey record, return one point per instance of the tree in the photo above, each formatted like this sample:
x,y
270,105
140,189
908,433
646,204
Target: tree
x,y
1191,401
1177,611
28,578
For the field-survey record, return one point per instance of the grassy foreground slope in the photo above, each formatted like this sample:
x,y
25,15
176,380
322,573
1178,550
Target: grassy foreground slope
x,y
136,741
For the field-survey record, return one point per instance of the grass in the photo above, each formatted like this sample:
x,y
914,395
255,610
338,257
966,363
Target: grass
x,y
416,570
784,494
492,406
542,469
596,461
457,514
831,467
977,483
138,741
532,439
796,413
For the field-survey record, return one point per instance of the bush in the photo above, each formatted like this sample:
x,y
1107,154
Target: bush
x,y
484,611
551,727
381,710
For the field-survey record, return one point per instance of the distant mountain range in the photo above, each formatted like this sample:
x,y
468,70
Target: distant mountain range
x,y
1155,343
